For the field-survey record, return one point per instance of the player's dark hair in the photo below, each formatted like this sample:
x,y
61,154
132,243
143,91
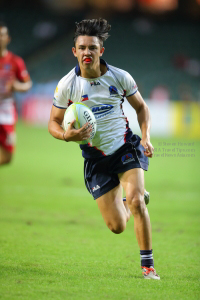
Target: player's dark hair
x,y
94,27
3,24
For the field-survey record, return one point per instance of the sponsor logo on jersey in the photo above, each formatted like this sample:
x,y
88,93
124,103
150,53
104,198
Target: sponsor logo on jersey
x,y
113,90
95,83
84,97
127,158
95,188
101,110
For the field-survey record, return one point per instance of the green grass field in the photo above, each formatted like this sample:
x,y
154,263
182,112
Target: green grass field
x,y
55,245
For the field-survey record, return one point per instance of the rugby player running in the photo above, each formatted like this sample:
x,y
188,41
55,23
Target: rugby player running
x,y
117,158
13,78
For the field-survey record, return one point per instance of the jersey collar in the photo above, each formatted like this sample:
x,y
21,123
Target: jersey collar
x,y
77,68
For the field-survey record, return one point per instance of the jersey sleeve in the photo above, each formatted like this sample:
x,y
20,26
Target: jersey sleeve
x,y
21,71
130,85
61,96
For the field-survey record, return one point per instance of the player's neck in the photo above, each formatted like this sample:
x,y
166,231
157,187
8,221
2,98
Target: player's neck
x,y
94,73
90,73
3,52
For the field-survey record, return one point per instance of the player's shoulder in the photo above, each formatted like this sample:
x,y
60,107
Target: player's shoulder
x,y
64,86
120,73
125,79
66,81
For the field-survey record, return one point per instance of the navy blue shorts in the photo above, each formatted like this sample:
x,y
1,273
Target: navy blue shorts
x,y
101,174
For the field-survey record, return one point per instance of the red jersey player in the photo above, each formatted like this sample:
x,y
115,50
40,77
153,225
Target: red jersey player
x,y
13,77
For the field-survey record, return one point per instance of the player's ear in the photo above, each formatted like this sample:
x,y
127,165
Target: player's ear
x,y
102,51
74,51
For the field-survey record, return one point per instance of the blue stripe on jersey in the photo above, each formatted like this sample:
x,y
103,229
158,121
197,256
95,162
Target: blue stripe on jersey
x,y
132,94
59,106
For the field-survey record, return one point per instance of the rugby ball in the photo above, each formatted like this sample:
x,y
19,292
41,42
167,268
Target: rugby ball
x,y
82,114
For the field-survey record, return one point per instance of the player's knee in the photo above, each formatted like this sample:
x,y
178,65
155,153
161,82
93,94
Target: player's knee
x,y
117,228
136,203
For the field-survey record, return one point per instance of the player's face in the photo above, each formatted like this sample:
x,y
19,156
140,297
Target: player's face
x,y
4,37
88,51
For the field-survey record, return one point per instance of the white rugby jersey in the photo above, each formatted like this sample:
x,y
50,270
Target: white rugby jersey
x,y
104,95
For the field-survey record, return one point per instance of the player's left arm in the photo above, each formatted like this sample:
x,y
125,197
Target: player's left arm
x,y
22,83
144,120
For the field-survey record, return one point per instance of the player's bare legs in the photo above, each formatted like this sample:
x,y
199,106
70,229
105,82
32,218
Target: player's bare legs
x,y
133,184
5,156
127,210
113,210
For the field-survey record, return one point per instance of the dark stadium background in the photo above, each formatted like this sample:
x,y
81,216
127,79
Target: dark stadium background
x,y
53,241
156,41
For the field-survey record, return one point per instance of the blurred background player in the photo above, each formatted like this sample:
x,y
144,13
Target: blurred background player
x,y
13,78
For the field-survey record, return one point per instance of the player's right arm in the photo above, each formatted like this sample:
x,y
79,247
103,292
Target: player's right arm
x,y
71,134
60,103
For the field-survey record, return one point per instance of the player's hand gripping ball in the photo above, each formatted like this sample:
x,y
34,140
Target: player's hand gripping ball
x,y
82,114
